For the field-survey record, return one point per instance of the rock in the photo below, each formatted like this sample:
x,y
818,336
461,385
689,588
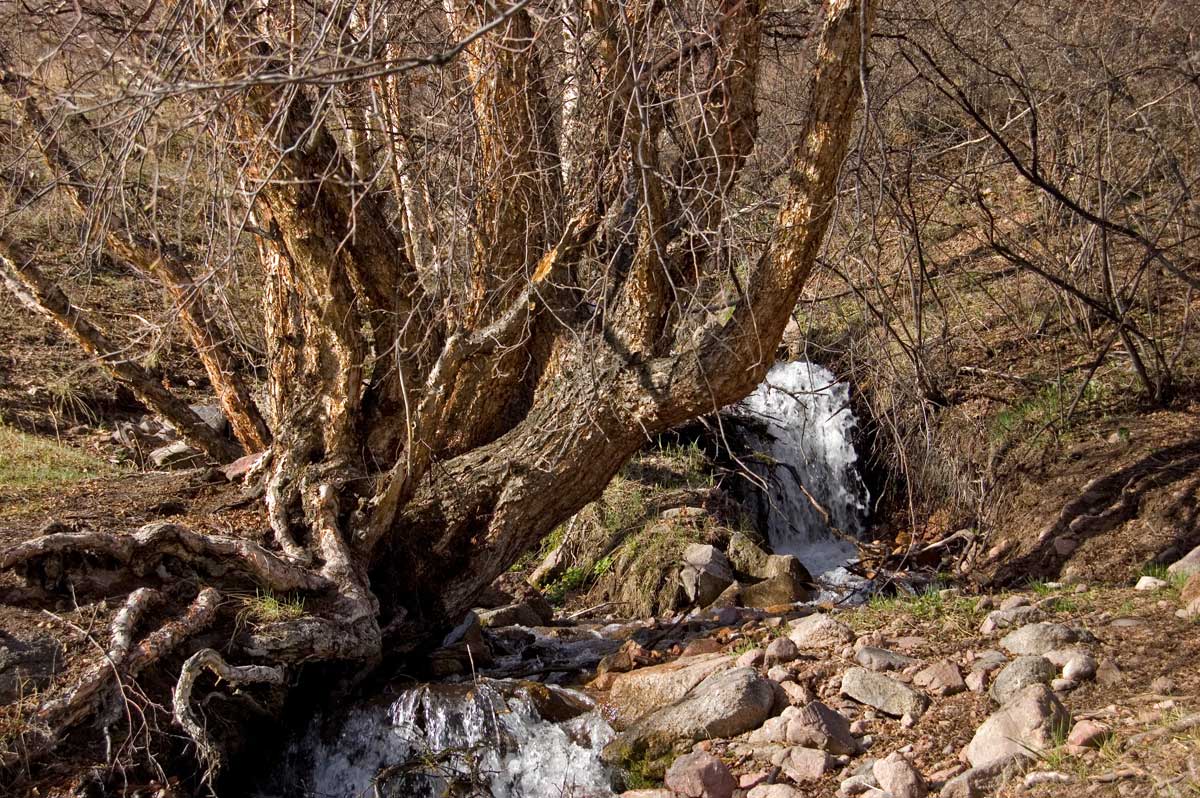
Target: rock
x,y
798,695
645,690
782,588
647,794
781,651
1039,638
1063,685
1088,734
1019,674
1190,590
706,573
726,704
1064,546
747,555
1150,584
176,455
27,665
700,775
1187,565
1045,777
1004,619
1012,602
751,659
241,466
858,784
214,417
469,635
778,673
940,679
730,597
774,791
521,614
704,645
819,631
1108,673
880,659
818,726
982,781
1163,685
802,764
1024,726
885,694
1080,667
897,776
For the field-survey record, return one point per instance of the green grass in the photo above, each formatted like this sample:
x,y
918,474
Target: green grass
x,y
266,606
1159,571
30,461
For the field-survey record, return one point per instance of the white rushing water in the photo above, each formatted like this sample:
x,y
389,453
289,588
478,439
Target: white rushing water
x,y
809,461
486,738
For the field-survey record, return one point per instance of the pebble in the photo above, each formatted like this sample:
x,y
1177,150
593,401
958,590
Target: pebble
x,y
1046,777
1150,584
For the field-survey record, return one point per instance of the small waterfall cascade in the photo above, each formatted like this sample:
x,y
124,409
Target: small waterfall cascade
x,y
804,453
498,738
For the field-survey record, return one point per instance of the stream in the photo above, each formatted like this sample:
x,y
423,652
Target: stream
x,y
508,738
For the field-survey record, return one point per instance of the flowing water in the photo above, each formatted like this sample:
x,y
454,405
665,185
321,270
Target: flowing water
x,y
513,739
815,500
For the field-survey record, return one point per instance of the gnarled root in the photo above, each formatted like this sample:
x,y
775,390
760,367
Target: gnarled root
x,y
186,715
143,550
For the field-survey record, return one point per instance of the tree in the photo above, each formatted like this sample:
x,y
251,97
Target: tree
x,y
490,270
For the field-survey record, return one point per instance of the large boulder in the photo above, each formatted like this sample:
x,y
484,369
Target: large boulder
x,y
706,573
1029,723
883,693
820,631
782,588
748,554
645,690
726,704
1187,565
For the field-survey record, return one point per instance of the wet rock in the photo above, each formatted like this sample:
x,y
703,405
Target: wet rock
x,y
176,455
700,775
885,694
781,651
1005,619
1019,674
706,573
897,776
880,659
782,588
820,631
521,614
940,679
1039,638
27,665
802,764
1024,726
645,690
1187,565
818,726
1149,584
725,704
1088,734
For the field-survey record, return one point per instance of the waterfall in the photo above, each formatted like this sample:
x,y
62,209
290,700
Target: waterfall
x,y
499,738
804,453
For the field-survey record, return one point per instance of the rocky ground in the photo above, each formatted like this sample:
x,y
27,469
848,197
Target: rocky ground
x,y
1051,690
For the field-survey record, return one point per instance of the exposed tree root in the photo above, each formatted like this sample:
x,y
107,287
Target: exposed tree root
x,y
143,550
186,715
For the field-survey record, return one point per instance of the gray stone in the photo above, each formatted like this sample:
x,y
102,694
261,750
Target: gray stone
x,y
820,631
885,694
802,764
646,690
1149,584
706,573
1019,674
725,704
897,776
1187,565
982,781
1004,619
880,659
176,455
1026,725
214,417
1039,638
818,726
521,614
748,555
27,666
1012,602
774,791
